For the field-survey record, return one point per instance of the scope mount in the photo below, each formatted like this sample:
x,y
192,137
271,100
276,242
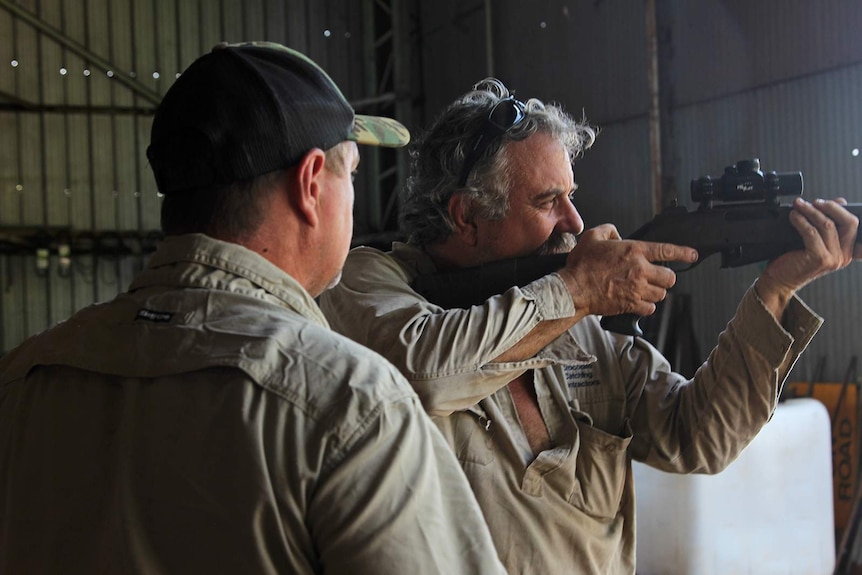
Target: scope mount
x,y
745,182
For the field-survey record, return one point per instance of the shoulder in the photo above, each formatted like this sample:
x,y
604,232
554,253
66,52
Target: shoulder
x,y
404,260
15,364
322,369
344,390
366,263
367,273
51,345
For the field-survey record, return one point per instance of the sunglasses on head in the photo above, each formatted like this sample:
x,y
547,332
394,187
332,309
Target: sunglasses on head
x,y
505,115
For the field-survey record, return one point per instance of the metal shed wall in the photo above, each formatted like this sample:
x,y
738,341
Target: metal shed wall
x,y
773,79
781,81
79,82
811,124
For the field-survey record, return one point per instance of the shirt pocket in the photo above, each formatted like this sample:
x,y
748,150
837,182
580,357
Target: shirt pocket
x,y
600,470
469,434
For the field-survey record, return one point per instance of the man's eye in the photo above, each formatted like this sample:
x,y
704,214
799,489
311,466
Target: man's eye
x,y
353,175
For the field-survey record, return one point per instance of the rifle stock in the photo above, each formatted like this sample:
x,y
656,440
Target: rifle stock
x,y
465,287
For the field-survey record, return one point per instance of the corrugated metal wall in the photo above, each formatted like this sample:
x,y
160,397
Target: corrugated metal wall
x,y
774,79
787,90
79,80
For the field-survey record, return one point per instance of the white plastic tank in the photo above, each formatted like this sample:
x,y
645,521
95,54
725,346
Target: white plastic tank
x,y
770,512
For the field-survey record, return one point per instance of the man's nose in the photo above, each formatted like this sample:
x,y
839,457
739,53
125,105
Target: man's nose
x,y
570,220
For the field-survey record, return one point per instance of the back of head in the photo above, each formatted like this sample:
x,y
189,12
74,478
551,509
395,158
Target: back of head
x,y
446,159
243,111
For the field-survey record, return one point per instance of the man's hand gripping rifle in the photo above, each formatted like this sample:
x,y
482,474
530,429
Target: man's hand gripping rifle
x,y
739,216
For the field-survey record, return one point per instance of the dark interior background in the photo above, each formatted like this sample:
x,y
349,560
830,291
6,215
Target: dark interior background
x,y
679,90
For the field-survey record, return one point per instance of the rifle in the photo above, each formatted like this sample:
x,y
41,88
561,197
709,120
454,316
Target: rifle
x,y
739,216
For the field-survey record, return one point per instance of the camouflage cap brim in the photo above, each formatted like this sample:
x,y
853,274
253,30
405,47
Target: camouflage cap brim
x,y
379,131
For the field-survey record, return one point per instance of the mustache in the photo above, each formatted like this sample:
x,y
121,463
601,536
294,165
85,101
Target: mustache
x,y
557,244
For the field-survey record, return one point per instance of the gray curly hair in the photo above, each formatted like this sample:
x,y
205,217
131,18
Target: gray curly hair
x,y
438,156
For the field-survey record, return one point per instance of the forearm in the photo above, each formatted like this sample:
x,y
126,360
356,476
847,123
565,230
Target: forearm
x,y
446,355
702,424
453,358
774,296
558,314
536,340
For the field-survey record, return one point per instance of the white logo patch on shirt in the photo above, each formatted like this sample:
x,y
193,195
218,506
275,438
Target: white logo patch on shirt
x,y
580,376
157,316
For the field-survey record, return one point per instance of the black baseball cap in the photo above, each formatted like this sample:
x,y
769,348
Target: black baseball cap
x,y
244,110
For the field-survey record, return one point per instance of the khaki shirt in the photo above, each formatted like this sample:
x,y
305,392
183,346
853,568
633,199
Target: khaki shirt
x,y
606,400
208,421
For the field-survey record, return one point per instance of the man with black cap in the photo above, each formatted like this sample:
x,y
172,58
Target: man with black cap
x,y
207,420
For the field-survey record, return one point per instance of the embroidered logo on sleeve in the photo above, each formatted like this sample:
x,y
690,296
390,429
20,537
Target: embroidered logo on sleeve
x,y
157,316
580,376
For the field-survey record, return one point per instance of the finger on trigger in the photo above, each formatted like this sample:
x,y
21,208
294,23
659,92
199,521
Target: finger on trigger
x,y
673,253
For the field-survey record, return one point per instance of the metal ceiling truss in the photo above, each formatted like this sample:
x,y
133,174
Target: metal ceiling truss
x,y
11,102
386,51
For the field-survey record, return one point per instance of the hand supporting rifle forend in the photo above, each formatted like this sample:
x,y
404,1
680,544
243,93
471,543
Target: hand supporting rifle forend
x,y
739,216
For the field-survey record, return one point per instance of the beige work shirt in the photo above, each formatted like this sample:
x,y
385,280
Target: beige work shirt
x,y
606,400
208,421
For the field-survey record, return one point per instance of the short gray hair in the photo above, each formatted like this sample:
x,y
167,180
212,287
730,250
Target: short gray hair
x,y
231,212
437,160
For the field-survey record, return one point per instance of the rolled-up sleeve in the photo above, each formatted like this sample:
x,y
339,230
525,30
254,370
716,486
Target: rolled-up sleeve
x,y
701,425
445,354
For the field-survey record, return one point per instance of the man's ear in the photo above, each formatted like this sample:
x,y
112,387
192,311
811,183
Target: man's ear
x,y
309,183
461,212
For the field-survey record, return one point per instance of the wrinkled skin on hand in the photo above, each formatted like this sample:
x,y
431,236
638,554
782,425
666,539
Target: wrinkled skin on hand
x,y
829,234
607,275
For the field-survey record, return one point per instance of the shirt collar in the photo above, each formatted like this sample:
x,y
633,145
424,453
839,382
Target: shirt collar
x,y
164,268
